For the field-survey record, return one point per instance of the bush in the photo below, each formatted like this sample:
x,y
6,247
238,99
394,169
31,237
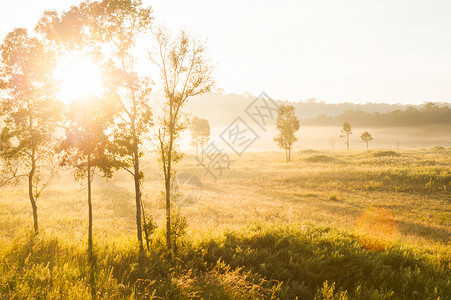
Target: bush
x,y
438,148
386,153
321,158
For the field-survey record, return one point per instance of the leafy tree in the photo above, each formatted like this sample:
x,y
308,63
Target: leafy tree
x,y
86,146
109,29
287,123
184,73
366,138
346,131
31,112
200,133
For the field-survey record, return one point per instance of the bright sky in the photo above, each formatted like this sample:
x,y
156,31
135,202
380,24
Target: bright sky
x,y
357,50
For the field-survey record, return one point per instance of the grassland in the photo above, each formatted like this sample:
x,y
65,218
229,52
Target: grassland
x,y
330,225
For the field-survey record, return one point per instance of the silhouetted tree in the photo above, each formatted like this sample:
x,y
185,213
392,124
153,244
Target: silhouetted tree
x,y
200,133
30,110
346,131
86,146
287,123
184,73
366,138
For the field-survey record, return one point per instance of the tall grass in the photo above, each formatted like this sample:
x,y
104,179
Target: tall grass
x,y
319,218
266,261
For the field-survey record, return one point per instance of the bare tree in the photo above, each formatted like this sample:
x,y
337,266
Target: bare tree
x,y
184,73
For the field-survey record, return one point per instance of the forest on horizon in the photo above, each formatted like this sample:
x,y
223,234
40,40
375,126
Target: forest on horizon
x,y
221,108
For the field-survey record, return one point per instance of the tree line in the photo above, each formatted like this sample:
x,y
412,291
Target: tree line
x,y
430,114
96,135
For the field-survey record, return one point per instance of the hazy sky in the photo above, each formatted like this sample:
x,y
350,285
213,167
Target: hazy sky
x,y
358,51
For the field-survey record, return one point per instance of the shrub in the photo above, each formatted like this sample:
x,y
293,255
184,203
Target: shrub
x,y
321,158
386,153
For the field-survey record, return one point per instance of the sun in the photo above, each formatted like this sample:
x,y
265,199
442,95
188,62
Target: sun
x,y
78,79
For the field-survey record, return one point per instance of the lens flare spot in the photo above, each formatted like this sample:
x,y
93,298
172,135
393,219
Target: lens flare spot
x,y
377,228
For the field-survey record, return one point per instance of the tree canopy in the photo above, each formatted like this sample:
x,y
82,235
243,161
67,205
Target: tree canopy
x,y
287,124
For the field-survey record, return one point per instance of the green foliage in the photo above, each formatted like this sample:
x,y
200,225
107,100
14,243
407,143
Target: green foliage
x,y
258,262
86,143
31,114
185,72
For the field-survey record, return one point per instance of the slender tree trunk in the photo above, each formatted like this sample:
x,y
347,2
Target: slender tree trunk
x,y
202,150
347,141
137,172
30,193
138,201
366,145
289,154
168,179
168,204
197,150
89,209
33,170
145,226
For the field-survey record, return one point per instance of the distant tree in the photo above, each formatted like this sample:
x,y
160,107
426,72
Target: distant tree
x,y
366,138
346,131
200,133
184,73
86,146
109,30
287,123
332,140
30,112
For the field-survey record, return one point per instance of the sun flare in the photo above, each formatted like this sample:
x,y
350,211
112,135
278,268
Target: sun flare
x,y
78,79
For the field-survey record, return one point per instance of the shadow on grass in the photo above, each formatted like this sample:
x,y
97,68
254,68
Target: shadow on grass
x,y
272,261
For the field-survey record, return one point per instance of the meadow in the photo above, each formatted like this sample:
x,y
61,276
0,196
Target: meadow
x,y
328,225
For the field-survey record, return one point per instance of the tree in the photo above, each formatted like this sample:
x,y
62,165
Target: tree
x,y
31,112
366,138
287,123
86,146
110,30
184,73
346,131
200,134
332,140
